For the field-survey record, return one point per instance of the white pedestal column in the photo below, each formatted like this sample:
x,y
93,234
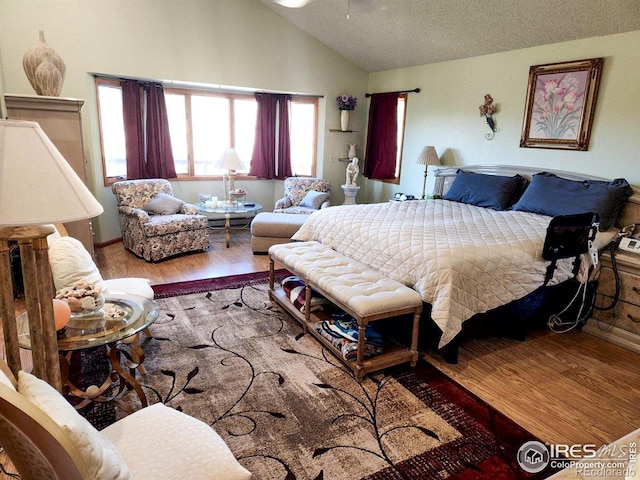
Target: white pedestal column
x,y
350,192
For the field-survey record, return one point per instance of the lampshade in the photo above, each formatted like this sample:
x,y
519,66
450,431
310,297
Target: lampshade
x,y
428,156
229,160
37,184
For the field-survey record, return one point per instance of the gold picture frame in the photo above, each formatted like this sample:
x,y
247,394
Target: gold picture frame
x,y
561,101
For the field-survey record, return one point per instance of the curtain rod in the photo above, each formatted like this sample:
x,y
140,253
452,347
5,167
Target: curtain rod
x,y
201,86
415,90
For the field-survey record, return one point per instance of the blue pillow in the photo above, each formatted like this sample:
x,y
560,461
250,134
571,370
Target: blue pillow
x,y
314,199
551,195
491,191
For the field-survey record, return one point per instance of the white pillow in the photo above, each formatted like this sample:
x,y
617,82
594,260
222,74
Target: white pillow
x,y
72,264
4,378
54,236
131,285
102,458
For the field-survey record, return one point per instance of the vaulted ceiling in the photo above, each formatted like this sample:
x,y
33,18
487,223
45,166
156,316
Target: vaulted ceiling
x,y
382,35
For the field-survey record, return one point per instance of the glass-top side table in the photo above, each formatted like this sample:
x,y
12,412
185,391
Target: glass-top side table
x,y
238,210
119,335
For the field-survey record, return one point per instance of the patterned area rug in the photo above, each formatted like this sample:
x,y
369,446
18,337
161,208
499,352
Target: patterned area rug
x,y
290,410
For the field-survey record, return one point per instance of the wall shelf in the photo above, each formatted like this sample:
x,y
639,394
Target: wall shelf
x,y
342,131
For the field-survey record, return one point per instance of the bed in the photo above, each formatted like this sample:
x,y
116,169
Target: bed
x,y
477,248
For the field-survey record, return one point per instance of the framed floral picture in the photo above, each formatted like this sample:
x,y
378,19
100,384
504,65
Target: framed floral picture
x,y
561,101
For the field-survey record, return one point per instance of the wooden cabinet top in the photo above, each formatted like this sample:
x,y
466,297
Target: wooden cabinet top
x,y
39,102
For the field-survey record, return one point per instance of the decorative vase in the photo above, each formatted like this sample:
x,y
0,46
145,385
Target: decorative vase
x,y
51,75
344,120
48,78
351,150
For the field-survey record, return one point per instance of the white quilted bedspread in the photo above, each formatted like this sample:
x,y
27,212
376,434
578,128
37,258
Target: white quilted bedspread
x,y
462,259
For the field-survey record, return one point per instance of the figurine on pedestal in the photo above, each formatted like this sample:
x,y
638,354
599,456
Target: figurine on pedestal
x,y
350,188
352,171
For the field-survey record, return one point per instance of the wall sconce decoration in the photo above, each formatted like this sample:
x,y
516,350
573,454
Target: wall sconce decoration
x,y
488,109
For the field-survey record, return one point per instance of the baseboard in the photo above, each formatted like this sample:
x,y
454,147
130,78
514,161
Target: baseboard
x,y
107,243
615,335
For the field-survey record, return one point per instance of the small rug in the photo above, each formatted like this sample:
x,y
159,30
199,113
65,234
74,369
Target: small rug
x,y
289,410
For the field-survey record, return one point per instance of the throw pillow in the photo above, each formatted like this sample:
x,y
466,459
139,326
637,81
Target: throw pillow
x,y
163,204
71,264
314,199
551,195
490,191
102,458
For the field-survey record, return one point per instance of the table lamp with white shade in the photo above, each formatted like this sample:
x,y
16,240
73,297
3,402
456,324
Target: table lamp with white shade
x,y
230,161
37,187
428,156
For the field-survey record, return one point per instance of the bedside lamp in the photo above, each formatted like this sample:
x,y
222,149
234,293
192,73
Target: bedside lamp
x,y
428,156
230,161
37,187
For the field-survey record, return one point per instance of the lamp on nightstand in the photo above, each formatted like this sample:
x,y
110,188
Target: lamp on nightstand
x,y
37,187
428,156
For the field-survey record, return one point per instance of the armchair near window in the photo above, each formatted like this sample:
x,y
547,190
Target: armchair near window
x,y
154,223
303,195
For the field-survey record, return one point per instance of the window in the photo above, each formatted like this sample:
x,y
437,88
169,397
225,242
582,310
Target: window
x,y
402,108
114,154
202,125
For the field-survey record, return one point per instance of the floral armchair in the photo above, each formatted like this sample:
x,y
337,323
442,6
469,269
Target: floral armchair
x,y
154,223
303,195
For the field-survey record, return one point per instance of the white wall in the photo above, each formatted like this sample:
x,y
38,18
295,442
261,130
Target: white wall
x,y
445,113
243,43
224,42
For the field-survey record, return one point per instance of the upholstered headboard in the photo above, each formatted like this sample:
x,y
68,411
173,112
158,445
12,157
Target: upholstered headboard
x,y
444,177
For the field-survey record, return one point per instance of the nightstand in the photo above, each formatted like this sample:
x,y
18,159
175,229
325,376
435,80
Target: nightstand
x,y
620,325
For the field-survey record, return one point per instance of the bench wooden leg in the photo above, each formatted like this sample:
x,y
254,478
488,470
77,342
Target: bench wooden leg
x,y
414,336
360,353
271,273
307,305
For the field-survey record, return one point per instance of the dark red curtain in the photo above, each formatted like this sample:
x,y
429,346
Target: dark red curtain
x,y
262,165
382,137
149,153
284,140
271,156
159,153
133,129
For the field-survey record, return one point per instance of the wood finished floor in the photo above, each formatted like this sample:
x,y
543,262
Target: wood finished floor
x,y
571,388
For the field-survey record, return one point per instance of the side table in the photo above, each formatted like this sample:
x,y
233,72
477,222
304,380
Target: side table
x,y
99,330
227,213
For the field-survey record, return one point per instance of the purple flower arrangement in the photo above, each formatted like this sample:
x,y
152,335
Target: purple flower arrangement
x,y
346,102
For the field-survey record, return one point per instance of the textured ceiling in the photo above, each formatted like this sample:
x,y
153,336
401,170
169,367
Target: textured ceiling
x,y
387,34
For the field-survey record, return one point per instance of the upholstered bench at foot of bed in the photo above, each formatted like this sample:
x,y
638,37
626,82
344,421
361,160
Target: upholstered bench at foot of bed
x,y
365,294
268,228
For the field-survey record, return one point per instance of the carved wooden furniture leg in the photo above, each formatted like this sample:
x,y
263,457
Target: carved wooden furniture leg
x,y
134,356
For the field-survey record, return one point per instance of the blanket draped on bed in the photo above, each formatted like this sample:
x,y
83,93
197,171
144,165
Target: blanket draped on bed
x,y
462,259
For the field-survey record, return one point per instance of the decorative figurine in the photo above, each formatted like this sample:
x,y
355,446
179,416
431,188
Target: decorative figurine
x,y
352,171
488,109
